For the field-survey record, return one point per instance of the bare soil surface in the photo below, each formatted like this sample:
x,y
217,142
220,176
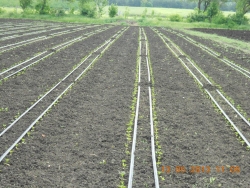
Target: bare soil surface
x,y
19,92
84,136
232,53
233,83
22,53
235,34
81,141
191,133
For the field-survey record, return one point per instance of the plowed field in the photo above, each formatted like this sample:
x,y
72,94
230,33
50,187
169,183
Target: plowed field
x,y
112,106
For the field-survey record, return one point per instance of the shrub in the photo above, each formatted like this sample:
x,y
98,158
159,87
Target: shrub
x,y
88,9
28,11
230,23
196,17
101,4
212,10
126,13
152,13
239,19
42,7
60,12
25,3
113,9
144,13
175,18
220,19
2,10
159,18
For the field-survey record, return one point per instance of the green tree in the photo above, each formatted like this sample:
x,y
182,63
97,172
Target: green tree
x,y
212,10
146,3
242,7
42,7
25,3
100,4
113,10
87,8
204,4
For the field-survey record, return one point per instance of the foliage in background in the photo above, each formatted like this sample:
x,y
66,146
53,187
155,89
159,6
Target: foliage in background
x,y
152,13
42,7
24,4
113,10
1,10
175,18
214,15
146,3
242,7
87,8
126,12
196,16
100,4
212,10
144,13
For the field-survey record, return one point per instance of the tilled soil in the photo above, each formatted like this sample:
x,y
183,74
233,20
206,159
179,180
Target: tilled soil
x,y
233,83
81,143
236,34
19,92
191,133
22,53
27,37
143,167
238,56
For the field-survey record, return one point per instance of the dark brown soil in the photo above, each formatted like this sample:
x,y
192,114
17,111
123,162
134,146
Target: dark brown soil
x,y
191,133
22,53
235,34
232,53
80,143
21,91
233,83
86,128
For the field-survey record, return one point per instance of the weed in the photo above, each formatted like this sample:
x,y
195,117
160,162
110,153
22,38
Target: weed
x,y
103,162
124,165
7,161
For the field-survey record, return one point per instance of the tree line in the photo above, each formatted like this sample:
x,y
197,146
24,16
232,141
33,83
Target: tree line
x,y
187,4
93,8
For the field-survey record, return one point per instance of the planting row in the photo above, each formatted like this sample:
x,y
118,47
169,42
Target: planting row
x,y
232,82
85,140
238,56
191,133
84,134
19,54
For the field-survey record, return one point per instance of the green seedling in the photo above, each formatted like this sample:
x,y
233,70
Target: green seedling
x,y
7,160
103,162
124,165
23,140
11,151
